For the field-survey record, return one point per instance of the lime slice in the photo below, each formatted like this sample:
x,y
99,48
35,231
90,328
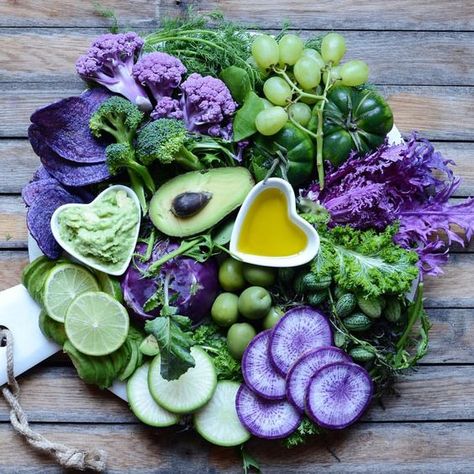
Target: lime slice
x,y
64,283
96,324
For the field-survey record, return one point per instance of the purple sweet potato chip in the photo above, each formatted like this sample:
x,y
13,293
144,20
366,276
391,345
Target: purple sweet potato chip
x,y
41,173
66,172
38,219
36,188
64,127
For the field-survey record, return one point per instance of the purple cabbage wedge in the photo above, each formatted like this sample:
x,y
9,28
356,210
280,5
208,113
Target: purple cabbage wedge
x,y
192,286
410,183
60,136
109,62
42,197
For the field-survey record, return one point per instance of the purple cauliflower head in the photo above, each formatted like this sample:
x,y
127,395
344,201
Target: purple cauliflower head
x,y
167,107
109,62
160,73
207,106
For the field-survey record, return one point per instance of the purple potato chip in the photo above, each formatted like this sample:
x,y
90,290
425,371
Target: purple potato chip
x,y
38,219
66,172
35,189
64,127
41,173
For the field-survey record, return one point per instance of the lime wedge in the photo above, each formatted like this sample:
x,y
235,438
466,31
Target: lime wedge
x,y
64,283
96,324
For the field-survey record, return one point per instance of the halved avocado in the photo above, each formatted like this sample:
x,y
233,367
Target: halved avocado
x,y
221,189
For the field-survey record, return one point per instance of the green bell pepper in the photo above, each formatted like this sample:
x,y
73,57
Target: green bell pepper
x,y
291,150
354,119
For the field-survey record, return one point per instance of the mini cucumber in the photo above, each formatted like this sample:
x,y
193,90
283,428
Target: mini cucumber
x,y
189,392
142,404
359,354
393,310
357,322
315,299
217,422
345,305
372,307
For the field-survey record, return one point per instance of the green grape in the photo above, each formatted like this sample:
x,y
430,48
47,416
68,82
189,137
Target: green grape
x,y
299,112
307,72
354,73
277,91
271,121
335,75
291,47
313,54
265,51
333,47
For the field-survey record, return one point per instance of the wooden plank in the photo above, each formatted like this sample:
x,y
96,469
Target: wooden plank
x,y
394,57
361,15
57,395
366,448
434,111
11,265
18,163
27,13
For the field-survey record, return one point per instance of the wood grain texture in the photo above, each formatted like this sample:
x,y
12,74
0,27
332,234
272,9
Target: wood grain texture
x,y
57,395
49,55
436,112
29,13
345,14
365,448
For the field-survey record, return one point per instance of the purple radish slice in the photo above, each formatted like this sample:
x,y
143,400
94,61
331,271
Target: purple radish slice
x,y
258,371
268,419
304,369
338,395
300,330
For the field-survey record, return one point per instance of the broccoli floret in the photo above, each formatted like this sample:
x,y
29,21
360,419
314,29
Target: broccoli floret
x,y
207,106
160,73
118,117
109,62
165,141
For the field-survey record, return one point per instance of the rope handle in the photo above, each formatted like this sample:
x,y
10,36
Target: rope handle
x,y
67,457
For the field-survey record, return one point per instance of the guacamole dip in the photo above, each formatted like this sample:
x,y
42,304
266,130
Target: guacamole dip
x,y
104,230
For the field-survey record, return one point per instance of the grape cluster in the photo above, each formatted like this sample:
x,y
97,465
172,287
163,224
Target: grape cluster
x,y
300,77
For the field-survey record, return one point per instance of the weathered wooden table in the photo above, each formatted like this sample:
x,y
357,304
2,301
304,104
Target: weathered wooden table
x,y
421,53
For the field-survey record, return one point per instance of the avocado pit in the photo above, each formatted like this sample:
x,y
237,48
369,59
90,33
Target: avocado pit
x,y
189,203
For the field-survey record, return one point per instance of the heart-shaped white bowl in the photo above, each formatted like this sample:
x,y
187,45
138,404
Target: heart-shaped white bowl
x,y
89,261
300,258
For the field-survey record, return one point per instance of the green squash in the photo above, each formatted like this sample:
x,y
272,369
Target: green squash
x,y
354,119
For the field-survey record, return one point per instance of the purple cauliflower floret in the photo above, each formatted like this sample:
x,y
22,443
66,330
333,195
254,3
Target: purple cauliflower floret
x,y
160,73
109,62
207,106
167,108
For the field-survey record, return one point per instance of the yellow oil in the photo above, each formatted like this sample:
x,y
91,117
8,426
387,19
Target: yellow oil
x,y
267,229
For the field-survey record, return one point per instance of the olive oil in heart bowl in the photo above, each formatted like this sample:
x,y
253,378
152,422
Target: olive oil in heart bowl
x,y
268,230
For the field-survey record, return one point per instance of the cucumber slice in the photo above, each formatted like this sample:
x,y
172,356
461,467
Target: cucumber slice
x,y
132,361
142,404
188,393
217,422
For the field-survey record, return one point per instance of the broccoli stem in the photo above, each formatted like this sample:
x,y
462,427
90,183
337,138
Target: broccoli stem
x,y
144,174
188,160
138,189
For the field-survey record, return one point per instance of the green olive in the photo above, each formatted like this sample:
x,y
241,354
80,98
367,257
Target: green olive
x,y
272,317
231,275
259,276
238,338
225,310
255,302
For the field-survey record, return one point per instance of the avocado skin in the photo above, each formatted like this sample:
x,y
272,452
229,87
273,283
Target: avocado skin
x,y
228,187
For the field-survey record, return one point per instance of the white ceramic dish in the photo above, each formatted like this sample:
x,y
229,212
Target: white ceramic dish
x,y
300,258
89,261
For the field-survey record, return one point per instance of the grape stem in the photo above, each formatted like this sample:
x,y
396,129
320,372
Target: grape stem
x,y
294,87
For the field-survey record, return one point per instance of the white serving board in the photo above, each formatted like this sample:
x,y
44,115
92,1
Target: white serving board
x,y
19,313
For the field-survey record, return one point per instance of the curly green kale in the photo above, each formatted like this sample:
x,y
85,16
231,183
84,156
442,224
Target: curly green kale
x,y
367,262
214,343
306,430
